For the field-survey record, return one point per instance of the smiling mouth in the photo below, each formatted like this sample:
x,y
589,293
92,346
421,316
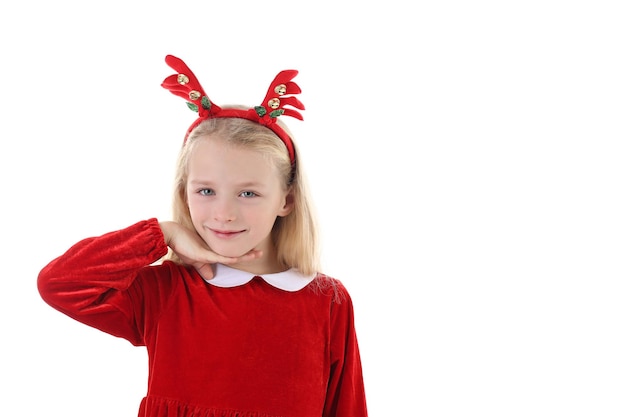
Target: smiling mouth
x,y
226,234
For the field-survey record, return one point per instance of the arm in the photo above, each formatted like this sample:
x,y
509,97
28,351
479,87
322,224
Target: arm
x,y
91,282
107,282
346,393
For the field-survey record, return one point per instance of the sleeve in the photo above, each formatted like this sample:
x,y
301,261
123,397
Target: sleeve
x,y
346,392
94,282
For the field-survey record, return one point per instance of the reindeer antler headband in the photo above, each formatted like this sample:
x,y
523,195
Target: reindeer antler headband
x,y
185,84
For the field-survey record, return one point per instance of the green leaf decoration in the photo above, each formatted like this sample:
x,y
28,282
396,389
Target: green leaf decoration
x,y
276,113
192,106
260,110
206,103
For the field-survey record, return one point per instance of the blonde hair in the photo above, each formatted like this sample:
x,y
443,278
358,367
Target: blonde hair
x,y
295,236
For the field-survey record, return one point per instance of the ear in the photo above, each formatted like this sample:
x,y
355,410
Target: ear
x,y
288,204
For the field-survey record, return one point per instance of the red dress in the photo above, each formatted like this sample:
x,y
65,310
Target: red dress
x,y
248,350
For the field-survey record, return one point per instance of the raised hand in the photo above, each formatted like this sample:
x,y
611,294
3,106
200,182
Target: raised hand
x,y
192,250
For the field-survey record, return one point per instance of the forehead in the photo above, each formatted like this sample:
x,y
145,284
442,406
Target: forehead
x,y
215,159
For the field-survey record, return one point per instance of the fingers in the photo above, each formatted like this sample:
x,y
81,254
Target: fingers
x,y
253,254
206,268
212,257
206,271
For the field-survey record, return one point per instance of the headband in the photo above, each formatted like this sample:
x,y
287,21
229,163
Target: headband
x,y
185,84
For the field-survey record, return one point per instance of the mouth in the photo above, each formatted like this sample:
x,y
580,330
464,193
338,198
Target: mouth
x,y
226,234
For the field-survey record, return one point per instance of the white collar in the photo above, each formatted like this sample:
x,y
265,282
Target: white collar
x,y
290,280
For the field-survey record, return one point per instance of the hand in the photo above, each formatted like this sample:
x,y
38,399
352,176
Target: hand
x,y
192,250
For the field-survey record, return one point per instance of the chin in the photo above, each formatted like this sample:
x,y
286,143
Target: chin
x,y
230,252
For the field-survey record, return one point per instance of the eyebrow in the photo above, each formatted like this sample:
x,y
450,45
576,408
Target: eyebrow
x,y
245,184
199,182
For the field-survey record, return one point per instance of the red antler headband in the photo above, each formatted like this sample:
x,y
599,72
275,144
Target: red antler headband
x,y
185,84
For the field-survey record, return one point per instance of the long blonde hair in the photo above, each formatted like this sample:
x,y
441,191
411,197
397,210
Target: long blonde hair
x,y
295,236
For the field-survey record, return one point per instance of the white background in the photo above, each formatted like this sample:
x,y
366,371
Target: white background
x,y
466,159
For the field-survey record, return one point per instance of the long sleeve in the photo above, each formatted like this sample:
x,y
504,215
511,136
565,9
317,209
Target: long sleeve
x,y
91,282
346,392
251,349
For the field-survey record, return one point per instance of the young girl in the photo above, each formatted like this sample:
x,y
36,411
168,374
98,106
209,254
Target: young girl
x,y
237,320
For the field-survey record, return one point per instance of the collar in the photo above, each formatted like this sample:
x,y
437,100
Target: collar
x,y
289,280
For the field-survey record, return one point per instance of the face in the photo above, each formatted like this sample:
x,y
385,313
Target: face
x,y
234,196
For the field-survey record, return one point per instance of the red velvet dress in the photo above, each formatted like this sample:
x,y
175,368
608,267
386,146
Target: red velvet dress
x,y
249,350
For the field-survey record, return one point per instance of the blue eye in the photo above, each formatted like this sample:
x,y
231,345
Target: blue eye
x,y
248,194
206,191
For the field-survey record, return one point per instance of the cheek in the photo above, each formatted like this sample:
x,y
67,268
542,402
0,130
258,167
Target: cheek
x,y
195,209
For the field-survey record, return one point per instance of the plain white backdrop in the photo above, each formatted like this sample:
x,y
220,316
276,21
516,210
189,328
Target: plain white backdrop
x,y
466,158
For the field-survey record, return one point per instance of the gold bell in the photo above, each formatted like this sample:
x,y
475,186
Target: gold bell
x,y
182,79
274,103
280,89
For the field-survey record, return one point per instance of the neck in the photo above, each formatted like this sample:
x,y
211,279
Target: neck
x,y
267,264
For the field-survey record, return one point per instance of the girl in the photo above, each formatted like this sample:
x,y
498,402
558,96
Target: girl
x,y
236,319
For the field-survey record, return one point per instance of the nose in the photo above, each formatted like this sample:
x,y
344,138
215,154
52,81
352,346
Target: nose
x,y
224,210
